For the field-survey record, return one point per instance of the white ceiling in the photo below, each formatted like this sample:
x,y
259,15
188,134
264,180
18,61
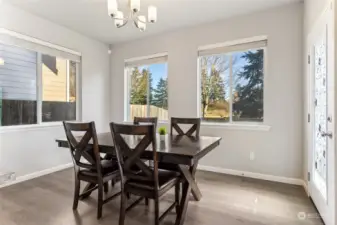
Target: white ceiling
x,y
90,17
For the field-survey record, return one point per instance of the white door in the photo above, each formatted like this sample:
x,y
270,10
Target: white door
x,y
321,155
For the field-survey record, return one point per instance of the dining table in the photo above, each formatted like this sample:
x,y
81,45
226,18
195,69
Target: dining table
x,y
184,152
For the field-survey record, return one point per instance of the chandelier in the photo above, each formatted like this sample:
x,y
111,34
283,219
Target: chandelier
x,y
133,14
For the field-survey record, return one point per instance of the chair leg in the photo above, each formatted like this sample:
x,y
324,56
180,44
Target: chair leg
x,y
106,187
146,201
100,201
76,192
177,197
122,208
156,211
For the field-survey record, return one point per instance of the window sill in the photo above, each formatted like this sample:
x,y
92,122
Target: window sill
x,y
20,128
163,122
233,126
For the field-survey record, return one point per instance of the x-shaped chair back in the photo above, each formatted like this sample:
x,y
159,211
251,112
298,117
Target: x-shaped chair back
x,y
195,128
129,159
82,148
140,120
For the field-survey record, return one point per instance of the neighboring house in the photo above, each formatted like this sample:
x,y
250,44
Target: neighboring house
x,y
18,85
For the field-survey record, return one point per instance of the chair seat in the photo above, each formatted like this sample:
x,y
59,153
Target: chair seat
x,y
166,179
107,167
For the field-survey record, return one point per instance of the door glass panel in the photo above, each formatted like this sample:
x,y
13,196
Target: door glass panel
x,y
320,142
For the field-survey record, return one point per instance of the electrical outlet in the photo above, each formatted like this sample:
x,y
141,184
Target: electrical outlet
x,y
6,177
252,156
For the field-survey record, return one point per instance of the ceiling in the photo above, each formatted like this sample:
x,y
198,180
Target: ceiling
x,y
90,17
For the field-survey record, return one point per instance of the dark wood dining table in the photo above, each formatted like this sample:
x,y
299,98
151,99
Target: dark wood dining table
x,y
182,151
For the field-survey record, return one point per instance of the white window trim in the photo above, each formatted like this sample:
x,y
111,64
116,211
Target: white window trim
x,y
140,58
37,41
238,126
260,126
29,127
234,42
39,86
127,82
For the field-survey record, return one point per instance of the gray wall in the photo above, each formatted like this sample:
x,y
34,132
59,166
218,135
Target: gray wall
x,y
34,149
279,150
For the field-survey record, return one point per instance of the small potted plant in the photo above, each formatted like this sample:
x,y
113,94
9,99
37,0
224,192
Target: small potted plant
x,y
162,133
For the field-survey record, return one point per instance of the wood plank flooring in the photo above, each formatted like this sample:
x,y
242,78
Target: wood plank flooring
x,y
226,200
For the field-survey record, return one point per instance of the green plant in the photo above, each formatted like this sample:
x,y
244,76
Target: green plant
x,y
162,130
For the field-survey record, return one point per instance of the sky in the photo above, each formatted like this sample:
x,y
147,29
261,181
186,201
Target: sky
x,y
158,71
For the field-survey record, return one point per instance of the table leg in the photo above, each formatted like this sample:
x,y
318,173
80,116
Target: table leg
x,y
186,190
88,187
195,189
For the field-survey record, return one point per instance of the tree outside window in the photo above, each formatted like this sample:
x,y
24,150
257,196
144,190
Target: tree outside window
x,y
232,86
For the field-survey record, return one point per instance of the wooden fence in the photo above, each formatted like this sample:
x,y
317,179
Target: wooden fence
x,y
19,112
141,111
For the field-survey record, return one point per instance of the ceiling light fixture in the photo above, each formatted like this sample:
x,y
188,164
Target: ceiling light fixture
x,y
2,61
134,8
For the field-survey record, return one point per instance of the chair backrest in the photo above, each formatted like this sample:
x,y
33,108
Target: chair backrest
x,y
80,147
195,128
129,158
140,120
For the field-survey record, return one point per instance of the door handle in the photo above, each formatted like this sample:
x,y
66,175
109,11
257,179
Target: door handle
x,y
326,134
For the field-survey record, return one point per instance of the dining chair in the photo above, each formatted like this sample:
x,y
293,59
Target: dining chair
x,y
195,128
137,177
88,165
141,120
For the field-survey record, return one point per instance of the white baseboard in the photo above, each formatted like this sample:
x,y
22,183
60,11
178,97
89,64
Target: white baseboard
x,y
37,174
259,176
306,188
200,167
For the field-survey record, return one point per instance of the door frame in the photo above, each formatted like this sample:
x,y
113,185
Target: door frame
x,y
326,17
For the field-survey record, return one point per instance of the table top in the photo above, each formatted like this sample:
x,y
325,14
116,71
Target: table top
x,y
173,145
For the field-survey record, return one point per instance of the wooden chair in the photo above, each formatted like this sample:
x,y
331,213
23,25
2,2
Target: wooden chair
x,y
195,122
92,169
195,128
140,120
137,178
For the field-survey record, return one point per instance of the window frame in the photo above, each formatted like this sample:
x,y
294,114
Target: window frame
x,y
127,81
245,125
39,84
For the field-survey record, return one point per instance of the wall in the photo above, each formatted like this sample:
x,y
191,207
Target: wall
x,y
279,150
32,150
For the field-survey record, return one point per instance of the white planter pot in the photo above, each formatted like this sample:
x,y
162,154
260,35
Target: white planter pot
x,y
162,137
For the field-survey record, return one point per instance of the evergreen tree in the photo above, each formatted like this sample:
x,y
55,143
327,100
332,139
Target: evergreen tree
x,y
248,100
140,82
146,85
160,97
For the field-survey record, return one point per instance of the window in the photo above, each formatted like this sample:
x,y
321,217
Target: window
x,y
18,79
147,88
59,89
36,87
232,82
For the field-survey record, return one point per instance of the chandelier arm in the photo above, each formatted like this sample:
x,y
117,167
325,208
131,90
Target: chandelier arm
x,y
125,20
146,22
124,23
135,23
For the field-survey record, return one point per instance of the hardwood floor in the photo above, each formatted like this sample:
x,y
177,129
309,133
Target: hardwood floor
x,y
226,200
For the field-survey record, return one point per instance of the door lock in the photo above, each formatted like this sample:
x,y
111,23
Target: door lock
x,y
326,134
